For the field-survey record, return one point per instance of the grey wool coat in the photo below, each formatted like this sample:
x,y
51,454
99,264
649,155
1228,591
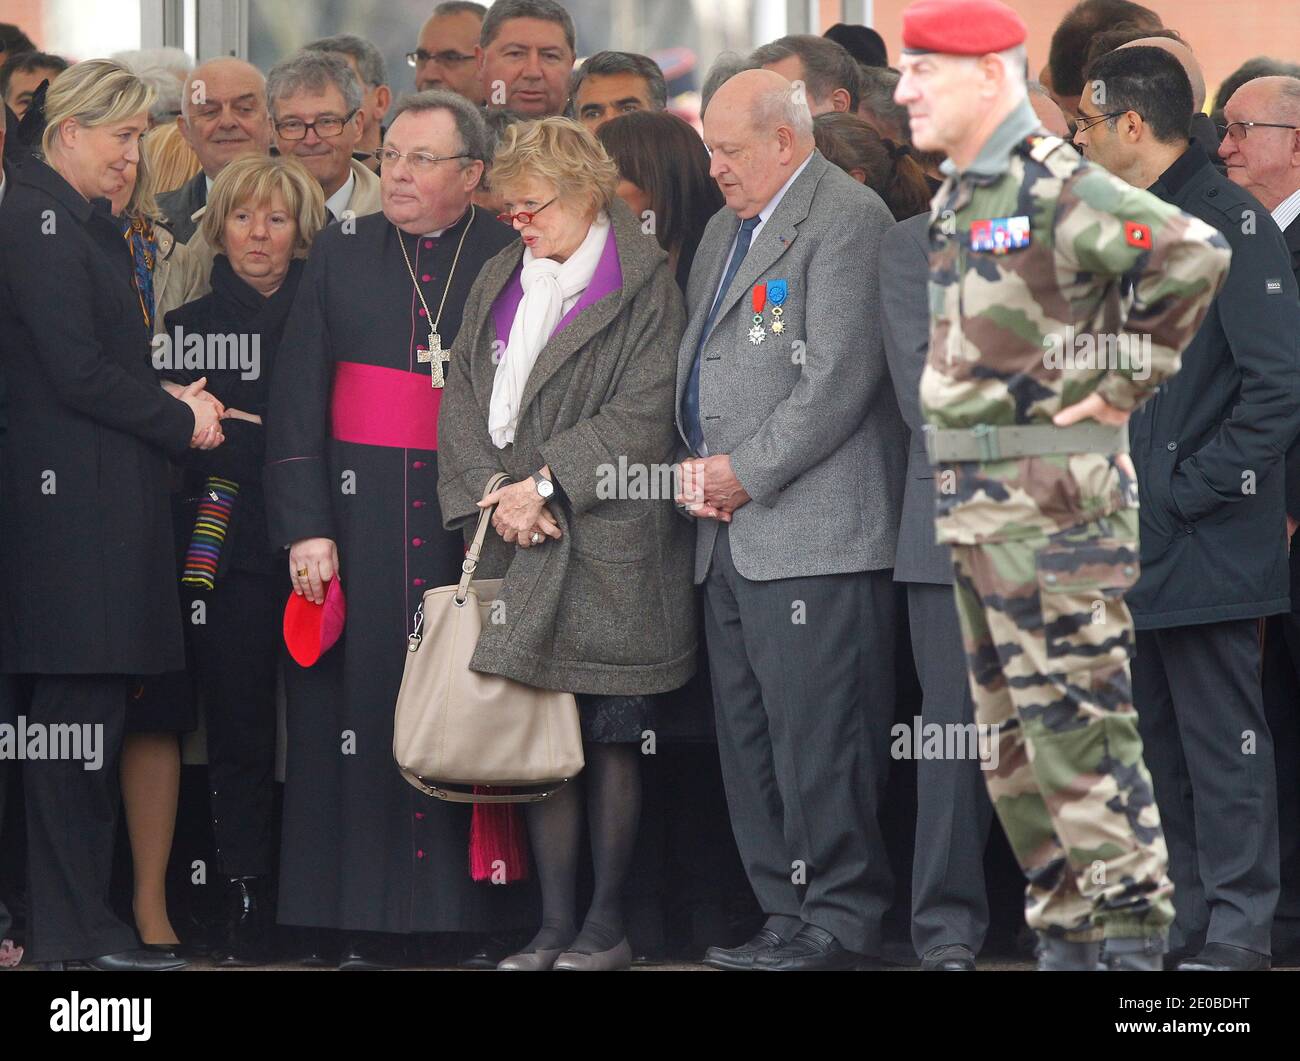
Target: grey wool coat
x,y
609,607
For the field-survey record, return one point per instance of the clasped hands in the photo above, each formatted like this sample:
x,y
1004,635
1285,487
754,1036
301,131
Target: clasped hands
x,y
707,488
520,513
208,412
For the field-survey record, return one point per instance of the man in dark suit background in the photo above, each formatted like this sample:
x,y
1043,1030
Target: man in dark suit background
x,y
1208,451
783,397
1264,158
950,909
223,117
9,955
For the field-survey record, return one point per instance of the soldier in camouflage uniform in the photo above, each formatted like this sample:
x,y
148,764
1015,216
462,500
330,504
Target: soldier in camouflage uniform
x,y
1036,257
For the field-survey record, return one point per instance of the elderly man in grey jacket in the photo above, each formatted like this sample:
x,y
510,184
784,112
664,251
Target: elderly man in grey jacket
x,y
795,481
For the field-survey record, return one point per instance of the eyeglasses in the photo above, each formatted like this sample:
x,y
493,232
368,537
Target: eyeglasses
x,y
1087,121
417,160
524,217
419,57
1238,130
327,127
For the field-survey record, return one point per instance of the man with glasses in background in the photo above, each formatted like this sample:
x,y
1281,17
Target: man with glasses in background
x,y
447,55
367,63
317,115
1261,147
223,117
1208,451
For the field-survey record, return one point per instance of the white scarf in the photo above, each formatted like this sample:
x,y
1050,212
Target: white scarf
x,y
547,285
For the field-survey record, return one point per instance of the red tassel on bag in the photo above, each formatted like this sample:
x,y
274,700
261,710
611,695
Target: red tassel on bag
x,y
496,842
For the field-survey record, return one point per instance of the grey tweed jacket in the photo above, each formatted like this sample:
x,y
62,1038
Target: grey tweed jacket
x,y
808,416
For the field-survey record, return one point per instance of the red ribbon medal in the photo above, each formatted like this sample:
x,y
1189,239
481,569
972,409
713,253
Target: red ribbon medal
x,y
758,299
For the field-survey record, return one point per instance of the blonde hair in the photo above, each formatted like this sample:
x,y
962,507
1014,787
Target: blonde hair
x,y
561,151
101,92
255,179
172,160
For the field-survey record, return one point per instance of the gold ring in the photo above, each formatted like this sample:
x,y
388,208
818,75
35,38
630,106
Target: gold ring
x,y
302,572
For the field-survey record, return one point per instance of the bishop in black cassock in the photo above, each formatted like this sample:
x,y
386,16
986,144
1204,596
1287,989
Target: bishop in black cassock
x,y
352,457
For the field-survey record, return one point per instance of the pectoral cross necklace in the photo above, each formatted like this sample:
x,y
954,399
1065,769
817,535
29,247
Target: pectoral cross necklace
x,y
434,355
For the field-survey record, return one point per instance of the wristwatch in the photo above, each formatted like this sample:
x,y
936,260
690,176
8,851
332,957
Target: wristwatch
x,y
545,488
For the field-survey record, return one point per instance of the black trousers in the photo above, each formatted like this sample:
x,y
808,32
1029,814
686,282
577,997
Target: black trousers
x,y
71,817
953,812
233,659
803,689
1282,708
1208,746
8,716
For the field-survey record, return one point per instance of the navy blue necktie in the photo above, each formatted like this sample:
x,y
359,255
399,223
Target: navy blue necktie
x,y
691,398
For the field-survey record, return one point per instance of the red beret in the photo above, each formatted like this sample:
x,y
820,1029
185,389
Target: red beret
x,y
961,27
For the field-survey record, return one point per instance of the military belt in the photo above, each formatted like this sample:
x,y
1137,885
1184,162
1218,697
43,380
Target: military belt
x,y
985,442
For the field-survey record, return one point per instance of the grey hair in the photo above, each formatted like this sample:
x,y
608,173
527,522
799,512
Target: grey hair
x,y
369,59
163,69
1286,103
546,10
826,64
878,85
470,126
315,72
1017,63
783,106
605,63
175,61
459,7
726,66
498,120
168,104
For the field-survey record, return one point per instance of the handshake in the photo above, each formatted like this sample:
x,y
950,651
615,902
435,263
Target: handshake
x,y
208,412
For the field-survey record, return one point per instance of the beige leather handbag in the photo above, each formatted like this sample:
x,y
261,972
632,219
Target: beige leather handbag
x,y
456,729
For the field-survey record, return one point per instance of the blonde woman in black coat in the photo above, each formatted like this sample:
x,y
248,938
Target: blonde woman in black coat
x,y
87,572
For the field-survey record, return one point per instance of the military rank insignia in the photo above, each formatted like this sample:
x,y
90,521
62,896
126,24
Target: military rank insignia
x,y
1137,235
1000,234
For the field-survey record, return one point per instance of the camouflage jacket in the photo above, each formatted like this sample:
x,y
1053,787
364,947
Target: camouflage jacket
x,y
1051,279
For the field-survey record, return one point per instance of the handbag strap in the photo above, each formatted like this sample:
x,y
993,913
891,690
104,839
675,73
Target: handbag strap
x,y
470,563
545,790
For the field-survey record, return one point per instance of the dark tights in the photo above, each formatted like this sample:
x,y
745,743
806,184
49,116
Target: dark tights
x,y
612,781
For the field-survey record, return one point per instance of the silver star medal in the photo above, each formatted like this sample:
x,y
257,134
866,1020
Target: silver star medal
x,y
756,333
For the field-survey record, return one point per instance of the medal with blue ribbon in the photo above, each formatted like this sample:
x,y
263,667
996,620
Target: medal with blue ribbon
x,y
777,291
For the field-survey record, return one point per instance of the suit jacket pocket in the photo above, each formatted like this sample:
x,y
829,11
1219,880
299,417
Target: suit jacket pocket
x,y
1081,587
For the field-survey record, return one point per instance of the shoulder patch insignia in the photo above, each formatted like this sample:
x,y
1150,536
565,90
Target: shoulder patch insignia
x,y
1042,146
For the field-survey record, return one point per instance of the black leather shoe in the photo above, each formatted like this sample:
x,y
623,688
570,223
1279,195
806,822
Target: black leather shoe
x,y
741,958
486,953
1224,958
246,933
812,950
129,961
949,958
373,950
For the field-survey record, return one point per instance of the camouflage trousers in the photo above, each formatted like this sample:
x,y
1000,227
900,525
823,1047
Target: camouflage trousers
x,y
1048,640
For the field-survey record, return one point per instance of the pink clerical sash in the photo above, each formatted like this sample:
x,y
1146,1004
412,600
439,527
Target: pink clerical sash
x,y
377,406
